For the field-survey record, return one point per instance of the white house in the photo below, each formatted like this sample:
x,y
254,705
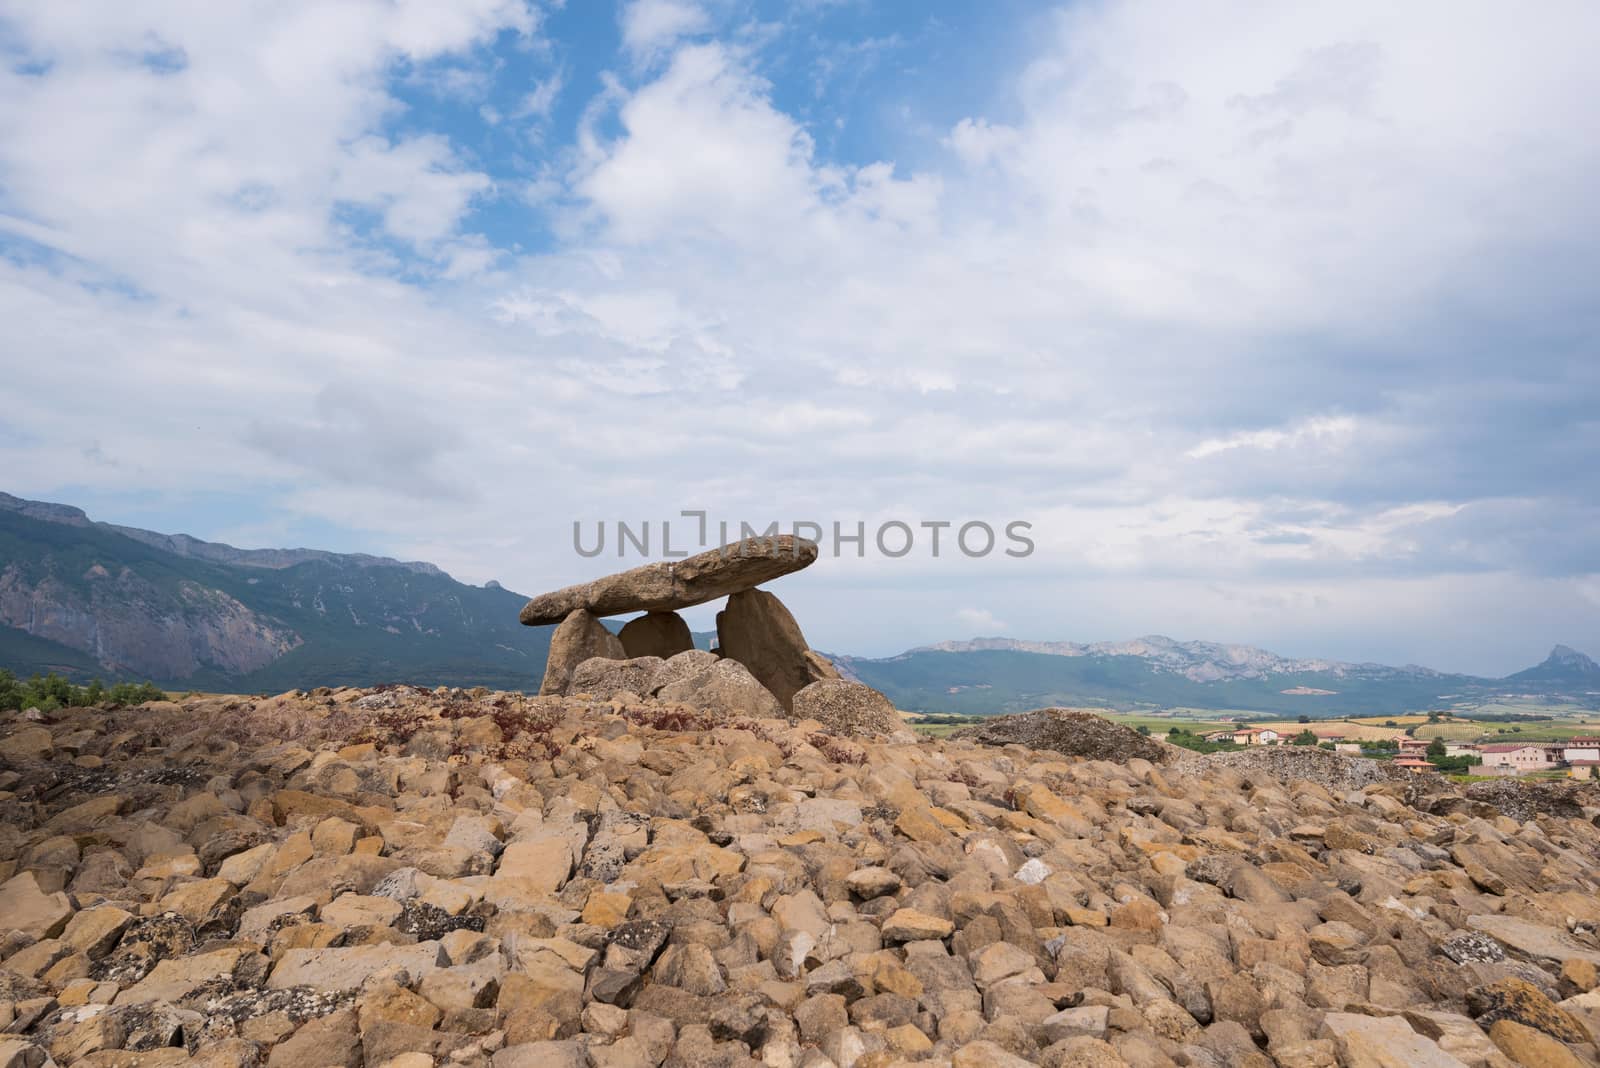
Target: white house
x,y
1516,756
1578,749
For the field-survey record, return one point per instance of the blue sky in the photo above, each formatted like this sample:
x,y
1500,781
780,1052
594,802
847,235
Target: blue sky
x,y
1277,322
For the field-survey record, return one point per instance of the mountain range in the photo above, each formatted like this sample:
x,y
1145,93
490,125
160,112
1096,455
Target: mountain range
x,y
1003,674
86,598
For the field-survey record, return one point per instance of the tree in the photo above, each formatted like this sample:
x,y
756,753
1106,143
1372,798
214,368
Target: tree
x,y
1144,729
1303,719
1174,729
1436,749
1305,738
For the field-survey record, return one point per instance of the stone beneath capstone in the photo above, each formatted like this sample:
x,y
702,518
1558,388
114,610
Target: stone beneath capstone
x,y
602,677
725,687
669,585
662,634
580,637
759,632
681,667
847,707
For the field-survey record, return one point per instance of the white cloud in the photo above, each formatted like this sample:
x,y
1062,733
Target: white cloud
x,y
539,102
652,26
1226,315
1322,432
983,622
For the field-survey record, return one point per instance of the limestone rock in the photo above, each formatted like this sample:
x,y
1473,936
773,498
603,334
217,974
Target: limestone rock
x,y
1382,1042
465,878
847,707
1530,1047
670,585
1072,732
760,633
725,688
26,908
1535,940
604,677
580,637
663,634
334,970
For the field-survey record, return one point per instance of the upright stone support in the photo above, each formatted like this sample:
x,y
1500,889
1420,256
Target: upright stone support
x,y
760,633
663,634
579,637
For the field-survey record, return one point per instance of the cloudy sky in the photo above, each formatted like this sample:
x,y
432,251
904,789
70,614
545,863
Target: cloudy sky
x,y
1277,322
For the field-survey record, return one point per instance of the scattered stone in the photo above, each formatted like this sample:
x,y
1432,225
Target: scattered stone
x,y
1521,1002
847,707
1530,1047
1072,732
407,877
27,909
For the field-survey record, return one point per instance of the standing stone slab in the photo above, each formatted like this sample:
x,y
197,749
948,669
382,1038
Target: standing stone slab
x,y
663,634
673,584
759,632
580,637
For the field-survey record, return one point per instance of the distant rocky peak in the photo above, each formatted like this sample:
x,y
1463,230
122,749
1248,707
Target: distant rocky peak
x,y
1568,657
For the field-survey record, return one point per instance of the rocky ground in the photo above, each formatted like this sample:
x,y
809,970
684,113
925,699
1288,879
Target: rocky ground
x,y
409,878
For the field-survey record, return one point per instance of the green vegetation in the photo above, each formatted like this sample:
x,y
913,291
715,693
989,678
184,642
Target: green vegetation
x,y
50,692
358,625
1453,763
943,725
1304,738
1196,742
991,681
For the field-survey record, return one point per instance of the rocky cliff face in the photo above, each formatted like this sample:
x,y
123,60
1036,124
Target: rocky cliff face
x,y
128,624
185,612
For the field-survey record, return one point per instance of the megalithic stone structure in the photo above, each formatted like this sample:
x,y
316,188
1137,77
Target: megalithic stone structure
x,y
669,585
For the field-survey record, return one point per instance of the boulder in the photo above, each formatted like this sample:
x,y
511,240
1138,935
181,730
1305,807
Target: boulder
x,y
680,667
726,688
670,585
1072,732
603,677
846,707
347,968
760,633
580,637
25,907
663,634
1383,1042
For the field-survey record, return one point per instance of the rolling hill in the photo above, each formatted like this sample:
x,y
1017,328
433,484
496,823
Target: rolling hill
x,y
94,599
87,598
990,675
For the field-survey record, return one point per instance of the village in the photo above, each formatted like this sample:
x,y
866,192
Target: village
x,y
1577,757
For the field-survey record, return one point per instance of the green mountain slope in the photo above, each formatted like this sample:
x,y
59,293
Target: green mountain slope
x,y
993,681
88,599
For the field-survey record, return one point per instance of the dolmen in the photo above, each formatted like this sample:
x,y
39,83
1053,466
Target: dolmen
x,y
762,665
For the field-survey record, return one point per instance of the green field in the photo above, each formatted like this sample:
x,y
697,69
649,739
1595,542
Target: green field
x,y
1524,730
1190,720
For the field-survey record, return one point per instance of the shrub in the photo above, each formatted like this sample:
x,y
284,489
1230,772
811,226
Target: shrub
x,y
50,692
